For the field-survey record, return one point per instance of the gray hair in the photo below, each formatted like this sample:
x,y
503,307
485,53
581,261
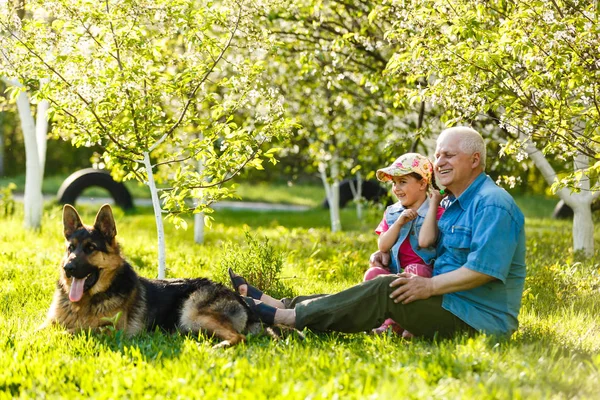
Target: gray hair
x,y
471,141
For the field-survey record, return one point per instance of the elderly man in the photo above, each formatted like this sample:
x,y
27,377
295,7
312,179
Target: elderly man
x,y
479,271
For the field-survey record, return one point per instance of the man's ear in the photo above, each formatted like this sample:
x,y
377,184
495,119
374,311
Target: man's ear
x,y
105,223
71,220
476,160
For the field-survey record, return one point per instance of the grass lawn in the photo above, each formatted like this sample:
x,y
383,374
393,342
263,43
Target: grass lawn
x,y
555,353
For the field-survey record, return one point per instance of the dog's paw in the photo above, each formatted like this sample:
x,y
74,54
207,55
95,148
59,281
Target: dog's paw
x,y
223,344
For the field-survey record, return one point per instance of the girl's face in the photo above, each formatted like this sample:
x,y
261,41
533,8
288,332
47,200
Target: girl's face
x,y
410,191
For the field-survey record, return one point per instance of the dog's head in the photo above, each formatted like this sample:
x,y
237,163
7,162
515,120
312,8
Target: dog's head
x,y
92,253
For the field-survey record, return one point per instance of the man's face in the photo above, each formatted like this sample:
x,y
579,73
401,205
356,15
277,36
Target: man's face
x,y
453,168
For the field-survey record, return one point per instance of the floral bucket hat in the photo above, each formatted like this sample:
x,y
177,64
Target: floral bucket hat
x,y
404,165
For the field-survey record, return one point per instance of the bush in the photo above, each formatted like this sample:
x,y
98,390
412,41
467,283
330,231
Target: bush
x,y
259,262
7,201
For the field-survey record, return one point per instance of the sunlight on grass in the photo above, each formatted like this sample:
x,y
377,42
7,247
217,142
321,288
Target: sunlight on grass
x,y
555,353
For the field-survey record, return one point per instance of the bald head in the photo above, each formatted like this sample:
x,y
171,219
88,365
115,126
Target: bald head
x,y
469,141
459,158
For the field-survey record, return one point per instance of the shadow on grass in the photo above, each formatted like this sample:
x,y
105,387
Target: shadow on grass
x,y
152,346
546,339
159,345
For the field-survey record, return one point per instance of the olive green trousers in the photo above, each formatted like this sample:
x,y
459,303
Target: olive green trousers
x,y
366,305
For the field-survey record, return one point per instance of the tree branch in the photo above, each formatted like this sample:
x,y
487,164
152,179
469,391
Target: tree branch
x,y
193,92
233,174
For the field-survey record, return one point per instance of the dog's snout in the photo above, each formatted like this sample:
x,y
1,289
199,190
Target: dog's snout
x,y
69,269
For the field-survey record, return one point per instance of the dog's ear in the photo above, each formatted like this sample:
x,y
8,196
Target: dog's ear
x,y
71,220
105,222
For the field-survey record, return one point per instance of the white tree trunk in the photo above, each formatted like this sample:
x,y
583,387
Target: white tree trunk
x,y
199,228
333,194
41,132
583,224
583,228
35,155
160,230
199,218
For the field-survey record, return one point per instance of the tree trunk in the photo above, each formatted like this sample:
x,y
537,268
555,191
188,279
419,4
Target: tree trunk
x,y
160,230
199,228
333,194
35,144
581,203
41,131
583,228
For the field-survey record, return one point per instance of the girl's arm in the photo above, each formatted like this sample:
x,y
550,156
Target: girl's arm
x,y
429,230
388,238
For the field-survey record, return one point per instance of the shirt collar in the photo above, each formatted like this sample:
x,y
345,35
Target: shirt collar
x,y
422,211
466,197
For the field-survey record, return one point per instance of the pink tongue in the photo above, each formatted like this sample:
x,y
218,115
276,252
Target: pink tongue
x,y
76,289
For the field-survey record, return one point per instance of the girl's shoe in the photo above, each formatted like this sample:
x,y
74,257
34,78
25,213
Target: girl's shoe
x,y
407,335
387,325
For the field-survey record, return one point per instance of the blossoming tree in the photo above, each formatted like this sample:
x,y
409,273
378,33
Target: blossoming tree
x,y
157,85
330,64
533,67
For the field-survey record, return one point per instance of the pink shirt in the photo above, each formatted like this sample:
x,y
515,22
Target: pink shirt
x,y
406,254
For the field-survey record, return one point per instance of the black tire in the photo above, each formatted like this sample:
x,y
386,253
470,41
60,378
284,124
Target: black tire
x,y
371,190
78,181
563,211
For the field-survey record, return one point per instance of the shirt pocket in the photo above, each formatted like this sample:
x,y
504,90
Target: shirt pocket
x,y
459,242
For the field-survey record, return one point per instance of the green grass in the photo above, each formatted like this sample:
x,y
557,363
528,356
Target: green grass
x,y
301,194
555,353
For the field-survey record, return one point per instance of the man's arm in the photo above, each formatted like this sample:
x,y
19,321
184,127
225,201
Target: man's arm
x,y
413,287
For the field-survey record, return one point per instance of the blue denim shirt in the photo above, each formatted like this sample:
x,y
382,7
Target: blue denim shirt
x,y
483,230
392,213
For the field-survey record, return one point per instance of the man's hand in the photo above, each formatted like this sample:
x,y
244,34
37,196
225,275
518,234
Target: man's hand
x,y
380,260
410,288
413,287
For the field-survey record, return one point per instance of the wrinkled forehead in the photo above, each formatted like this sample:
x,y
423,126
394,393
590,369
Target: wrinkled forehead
x,y
449,142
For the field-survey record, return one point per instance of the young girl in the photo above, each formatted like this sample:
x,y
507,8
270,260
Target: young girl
x,y
398,231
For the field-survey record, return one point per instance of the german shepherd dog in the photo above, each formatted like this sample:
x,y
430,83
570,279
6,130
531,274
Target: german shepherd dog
x,y
98,286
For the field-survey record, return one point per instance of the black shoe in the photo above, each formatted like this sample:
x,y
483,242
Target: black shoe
x,y
237,281
264,312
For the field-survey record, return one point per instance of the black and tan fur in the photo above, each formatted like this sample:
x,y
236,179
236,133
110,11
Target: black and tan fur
x,y
111,286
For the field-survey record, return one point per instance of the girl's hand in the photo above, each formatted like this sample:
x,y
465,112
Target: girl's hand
x,y
379,259
436,196
406,216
